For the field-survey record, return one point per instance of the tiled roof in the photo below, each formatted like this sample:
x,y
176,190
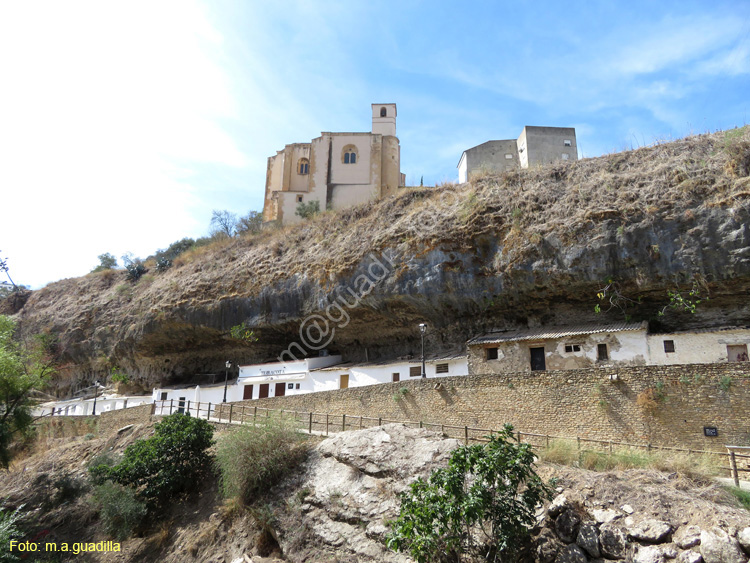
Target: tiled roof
x,y
551,333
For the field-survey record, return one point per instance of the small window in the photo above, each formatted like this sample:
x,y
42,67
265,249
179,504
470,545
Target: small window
x,y
569,348
441,368
565,156
303,166
601,353
669,346
299,199
383,112
395,377
567,143
349,155
491,353
290,386
508,156
164,396
296,385
416,371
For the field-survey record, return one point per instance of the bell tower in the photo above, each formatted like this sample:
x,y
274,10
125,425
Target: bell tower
x,y
384,119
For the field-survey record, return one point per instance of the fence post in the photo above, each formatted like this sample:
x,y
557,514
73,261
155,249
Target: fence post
x,y
519,437
343,422
309,426
578,440
610,447
326,424
649,447
171,404
230,412
420,424
380,421
255,415
733,463
547,436
442,429
466,435
360,422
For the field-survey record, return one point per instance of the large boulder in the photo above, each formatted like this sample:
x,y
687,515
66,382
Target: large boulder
x,y
651,531
719,547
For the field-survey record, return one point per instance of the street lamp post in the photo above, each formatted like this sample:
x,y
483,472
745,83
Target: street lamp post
x,y
96,389
423,329
226,378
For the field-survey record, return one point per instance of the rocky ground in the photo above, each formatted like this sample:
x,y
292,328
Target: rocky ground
x,y
336,507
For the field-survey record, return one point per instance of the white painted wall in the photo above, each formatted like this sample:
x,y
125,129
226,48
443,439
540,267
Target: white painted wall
x,y
696,347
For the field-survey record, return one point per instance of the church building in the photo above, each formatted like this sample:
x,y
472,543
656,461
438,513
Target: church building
x,y
337,170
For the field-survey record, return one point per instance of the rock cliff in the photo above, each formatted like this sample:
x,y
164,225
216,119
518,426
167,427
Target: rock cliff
x,y
523,248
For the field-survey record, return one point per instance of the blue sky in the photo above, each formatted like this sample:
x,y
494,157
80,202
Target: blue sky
x,y
123,124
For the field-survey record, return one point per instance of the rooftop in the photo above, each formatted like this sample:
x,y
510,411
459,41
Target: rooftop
x,y
549,333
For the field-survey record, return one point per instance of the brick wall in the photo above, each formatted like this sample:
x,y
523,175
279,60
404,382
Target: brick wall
x,y
104,424
67,426
583,402
111,421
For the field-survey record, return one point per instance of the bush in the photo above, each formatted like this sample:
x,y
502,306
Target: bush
x,y
120,510
307,210
106,262
9,531
252,459
483,502
166,464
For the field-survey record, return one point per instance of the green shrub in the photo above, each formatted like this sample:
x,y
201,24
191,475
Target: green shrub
x,y
252,459
166,464
307,210
119,508
9,531
482,503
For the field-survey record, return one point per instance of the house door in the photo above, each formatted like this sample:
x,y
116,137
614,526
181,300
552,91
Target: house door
x,y
181,405
537,359
247,392
280,390
263,391
344,381
396,377
737,352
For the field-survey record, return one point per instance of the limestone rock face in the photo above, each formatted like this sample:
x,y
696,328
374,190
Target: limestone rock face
x,y
571,554
652,531
719,547
687,536
352,483
505,252
588,538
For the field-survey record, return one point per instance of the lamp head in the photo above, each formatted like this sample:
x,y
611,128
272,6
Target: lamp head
x,y
422,327
228,364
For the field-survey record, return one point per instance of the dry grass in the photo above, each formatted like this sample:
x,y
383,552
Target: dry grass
x,y
697,467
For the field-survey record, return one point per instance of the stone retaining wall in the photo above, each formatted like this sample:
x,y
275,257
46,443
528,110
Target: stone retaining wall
x,y
662,405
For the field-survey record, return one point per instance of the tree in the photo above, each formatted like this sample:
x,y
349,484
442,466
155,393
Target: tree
x,y
250,223
168,463
307,210
223,223
22,369
482,503
106,262
4,268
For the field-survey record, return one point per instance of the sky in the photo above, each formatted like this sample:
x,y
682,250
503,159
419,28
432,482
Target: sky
x,y
124,124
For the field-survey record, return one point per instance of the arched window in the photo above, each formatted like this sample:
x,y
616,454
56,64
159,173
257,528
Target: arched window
x,y
349,154
382,112
303,166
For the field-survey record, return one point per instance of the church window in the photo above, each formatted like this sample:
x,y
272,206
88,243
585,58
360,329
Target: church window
x,y
350,154
303,166
383,112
